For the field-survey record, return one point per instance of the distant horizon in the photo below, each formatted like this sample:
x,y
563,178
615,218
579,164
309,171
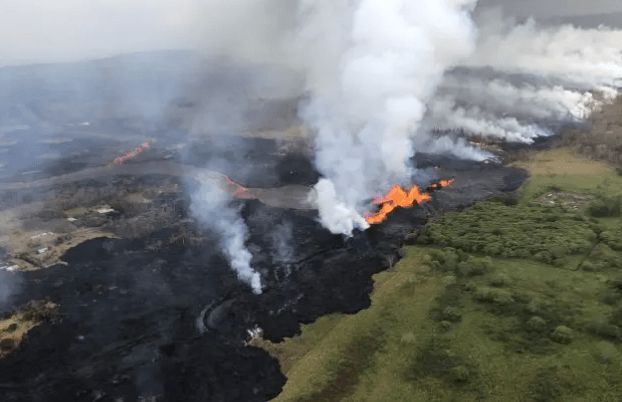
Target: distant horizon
x,y
71,31
100,57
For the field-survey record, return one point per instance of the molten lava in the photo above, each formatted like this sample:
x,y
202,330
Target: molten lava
x,y
120,160
237,190
441,184
398,197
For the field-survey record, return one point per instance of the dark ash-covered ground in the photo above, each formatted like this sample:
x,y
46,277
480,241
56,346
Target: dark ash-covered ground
x,y
147,308
163,316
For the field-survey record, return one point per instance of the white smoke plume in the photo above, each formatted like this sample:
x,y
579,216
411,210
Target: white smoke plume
x,y
553,75
371,71
375,80
211,205
473,120
447,145
335,214
281,239
10,284
589,58
373,67
526,100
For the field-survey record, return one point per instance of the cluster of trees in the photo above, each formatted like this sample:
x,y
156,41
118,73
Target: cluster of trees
x,y
495,229
612,238
605,206
539,324
454,260
600,258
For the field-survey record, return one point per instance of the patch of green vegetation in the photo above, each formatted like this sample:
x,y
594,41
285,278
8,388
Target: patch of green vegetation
x,y
606,206
436,359
548,385
612,237
523,231
602,257
505,301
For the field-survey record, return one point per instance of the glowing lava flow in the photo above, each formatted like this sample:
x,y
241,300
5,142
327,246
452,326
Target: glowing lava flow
x,y
398,197
120,160
238,191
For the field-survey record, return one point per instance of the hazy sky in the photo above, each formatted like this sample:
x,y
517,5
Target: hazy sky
x,y
53,30
58,30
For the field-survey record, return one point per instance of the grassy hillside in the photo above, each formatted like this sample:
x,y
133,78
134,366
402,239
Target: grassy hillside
x,y
511,300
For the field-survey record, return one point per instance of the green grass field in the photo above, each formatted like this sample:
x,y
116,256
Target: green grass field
x,y
513,300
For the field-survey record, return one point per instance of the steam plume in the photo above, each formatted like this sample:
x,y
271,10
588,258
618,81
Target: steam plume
x,y
446,145
590,58
10,284
379,76
211,206
380,62
448,116
527,100
524,79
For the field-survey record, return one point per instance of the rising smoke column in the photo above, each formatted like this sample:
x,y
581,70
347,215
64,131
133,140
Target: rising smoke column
x,y
525,99
524,79
211,205
372,70
448,116
588,58
372,66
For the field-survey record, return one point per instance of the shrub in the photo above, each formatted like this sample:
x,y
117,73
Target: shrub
x,y
602,328
544,256
446,259
602,256
612,238
408,338
493,248
493,295
459,374
500,280
606,352
546,386
474,266
536,324
452,314
445,325
611,297
616,315
588,266
562,334
436,359
536,307
606,206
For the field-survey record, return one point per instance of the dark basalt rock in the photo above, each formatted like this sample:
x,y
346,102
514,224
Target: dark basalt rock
x,y
148,318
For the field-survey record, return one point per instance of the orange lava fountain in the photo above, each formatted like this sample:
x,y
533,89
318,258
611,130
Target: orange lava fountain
x,y
398,197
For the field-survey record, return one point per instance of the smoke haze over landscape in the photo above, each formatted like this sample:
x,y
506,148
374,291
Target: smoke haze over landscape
x,y
367,200
441,70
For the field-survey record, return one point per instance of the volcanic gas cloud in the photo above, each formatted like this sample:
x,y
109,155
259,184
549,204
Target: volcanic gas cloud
x,y
380,80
